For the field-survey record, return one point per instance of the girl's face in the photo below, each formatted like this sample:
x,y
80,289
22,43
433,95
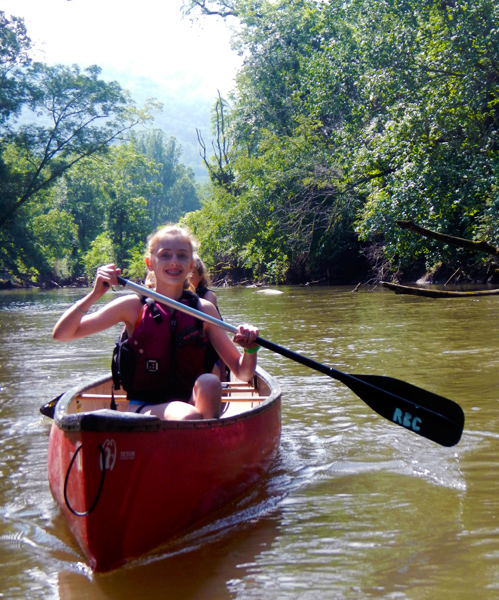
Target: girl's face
x,y
171,260
195,277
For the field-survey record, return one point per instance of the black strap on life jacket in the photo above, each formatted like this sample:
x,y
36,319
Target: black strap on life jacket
x,y
156,315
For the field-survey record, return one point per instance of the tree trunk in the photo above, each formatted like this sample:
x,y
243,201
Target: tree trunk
x,y
450,239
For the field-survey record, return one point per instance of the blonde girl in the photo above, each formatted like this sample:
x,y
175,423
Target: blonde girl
x,y
169,260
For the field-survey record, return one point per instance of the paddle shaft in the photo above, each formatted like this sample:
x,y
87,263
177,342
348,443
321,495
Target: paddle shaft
x,y
308,362
413,408
343,377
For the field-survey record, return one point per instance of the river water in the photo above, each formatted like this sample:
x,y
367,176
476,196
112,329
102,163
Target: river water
x,y
354,506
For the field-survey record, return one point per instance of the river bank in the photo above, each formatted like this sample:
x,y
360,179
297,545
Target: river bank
x,y
439,275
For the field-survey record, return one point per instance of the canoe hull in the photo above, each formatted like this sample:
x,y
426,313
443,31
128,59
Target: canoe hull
x,y
156,483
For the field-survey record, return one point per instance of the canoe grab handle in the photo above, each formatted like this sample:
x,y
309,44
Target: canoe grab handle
x,y
101,485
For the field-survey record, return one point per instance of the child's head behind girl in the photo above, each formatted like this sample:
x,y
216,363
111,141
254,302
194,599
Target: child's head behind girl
x,y
200,273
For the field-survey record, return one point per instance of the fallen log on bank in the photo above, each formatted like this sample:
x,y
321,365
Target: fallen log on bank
x,y
419,291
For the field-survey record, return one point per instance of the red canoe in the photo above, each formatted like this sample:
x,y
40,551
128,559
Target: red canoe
x,y
159,477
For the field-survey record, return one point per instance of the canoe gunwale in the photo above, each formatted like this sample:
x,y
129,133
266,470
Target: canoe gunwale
x,y
121,421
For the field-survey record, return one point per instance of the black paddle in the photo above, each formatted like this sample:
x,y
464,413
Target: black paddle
x,y
427,414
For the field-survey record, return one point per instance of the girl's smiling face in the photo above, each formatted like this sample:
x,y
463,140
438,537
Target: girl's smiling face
x,y
171,260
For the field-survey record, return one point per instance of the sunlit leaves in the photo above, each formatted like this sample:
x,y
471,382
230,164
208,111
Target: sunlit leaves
x,y
100,253
365,111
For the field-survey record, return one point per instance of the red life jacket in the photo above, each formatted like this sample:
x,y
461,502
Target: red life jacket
x,y
164,356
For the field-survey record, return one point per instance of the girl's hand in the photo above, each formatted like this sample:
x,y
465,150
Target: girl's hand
x,y
106,277
246,336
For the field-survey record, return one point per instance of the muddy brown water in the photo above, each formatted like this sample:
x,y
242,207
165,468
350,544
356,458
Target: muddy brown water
x,y
354,507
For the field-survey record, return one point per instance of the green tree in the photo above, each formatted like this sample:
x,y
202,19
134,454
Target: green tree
x,y
348,116
68,114
129,179
82,191
122,196
432,146
176,191
100,253
77,115
283,213
55,232
14,58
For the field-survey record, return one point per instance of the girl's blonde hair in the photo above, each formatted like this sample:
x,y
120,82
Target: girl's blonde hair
x,y
161,233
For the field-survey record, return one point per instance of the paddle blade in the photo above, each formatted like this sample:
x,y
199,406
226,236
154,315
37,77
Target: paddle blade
x,y
425,413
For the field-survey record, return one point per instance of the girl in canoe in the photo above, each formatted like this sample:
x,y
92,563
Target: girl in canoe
x,y
162,364
199,281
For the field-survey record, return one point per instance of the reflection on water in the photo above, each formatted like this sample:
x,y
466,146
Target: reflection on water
x,y
354,507
197,566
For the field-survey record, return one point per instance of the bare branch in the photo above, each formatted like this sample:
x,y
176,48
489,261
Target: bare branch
x,y
222,8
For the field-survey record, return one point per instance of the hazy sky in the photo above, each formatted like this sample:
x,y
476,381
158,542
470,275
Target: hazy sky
x,y
136,37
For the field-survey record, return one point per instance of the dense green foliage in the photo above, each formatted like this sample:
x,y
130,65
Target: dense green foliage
x,y
77,186
347,116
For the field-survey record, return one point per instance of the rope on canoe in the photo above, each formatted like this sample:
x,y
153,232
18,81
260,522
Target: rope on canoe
x,y
103,458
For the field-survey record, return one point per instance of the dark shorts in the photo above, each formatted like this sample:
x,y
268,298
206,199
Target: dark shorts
x,y
137,405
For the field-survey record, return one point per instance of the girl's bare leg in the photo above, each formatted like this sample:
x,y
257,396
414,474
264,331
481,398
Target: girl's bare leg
x,y
173,411
205,403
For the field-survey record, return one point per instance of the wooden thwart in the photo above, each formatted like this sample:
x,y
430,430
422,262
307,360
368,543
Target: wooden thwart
x,y
244,395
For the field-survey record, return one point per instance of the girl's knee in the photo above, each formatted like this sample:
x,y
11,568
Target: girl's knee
x,y
208,385
207,395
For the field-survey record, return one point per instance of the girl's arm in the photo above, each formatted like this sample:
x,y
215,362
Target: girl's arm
x,y
76,323
210,296
242,365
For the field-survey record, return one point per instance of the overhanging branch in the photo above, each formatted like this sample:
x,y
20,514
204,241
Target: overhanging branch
x,y
450,239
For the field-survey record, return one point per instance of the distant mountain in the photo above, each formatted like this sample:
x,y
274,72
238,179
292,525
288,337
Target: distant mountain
x,y
183,113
